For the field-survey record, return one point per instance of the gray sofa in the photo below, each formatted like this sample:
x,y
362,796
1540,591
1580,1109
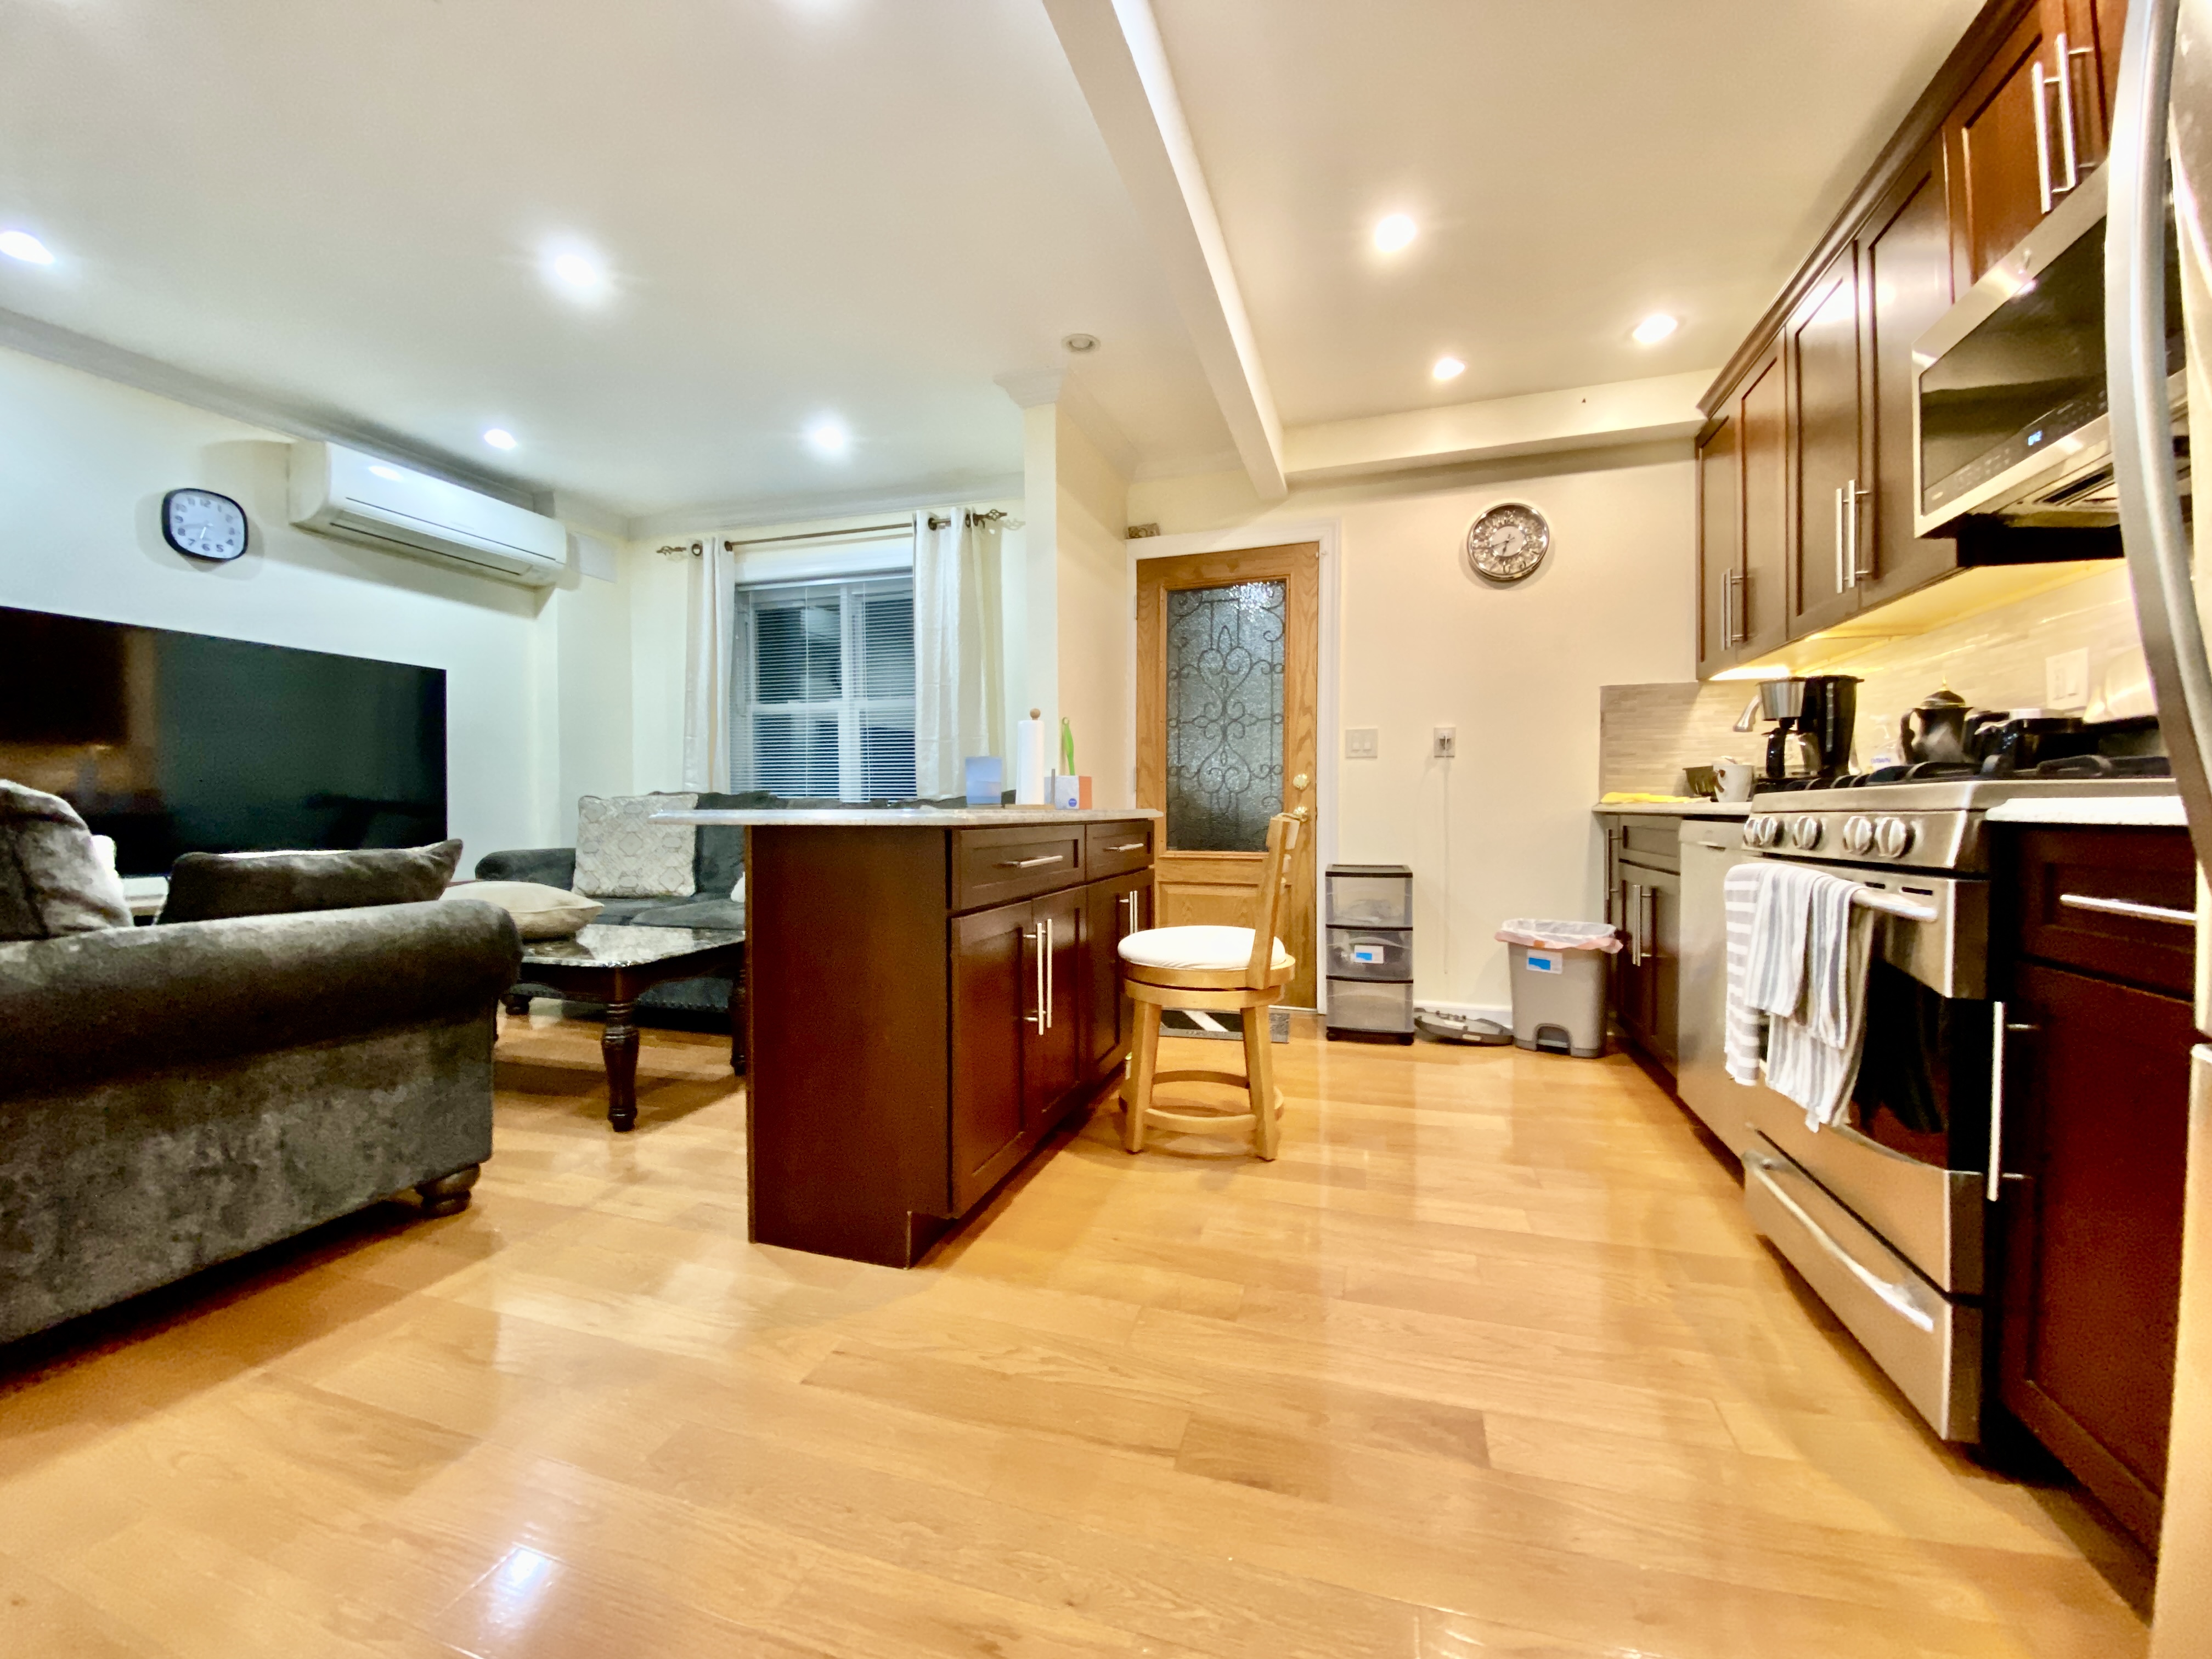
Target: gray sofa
x,y
173,1097
717,862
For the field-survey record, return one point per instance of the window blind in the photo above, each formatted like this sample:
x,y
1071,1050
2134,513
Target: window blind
x,y
825,689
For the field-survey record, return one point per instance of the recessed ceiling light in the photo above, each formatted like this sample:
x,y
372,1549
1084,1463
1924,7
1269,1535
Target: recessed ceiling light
x,y
1448,368
578,275
22,245
499,437
1394,232
1655,328
1080,341
828,437
391,473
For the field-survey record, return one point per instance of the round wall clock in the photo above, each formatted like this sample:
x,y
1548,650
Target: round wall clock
x,y
202,525
1508,542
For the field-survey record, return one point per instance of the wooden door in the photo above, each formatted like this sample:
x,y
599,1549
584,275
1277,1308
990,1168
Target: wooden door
x,y
993,994
1228,654
1907,285
1720,544
2096,1128
1822,342
1053,1052
1112,911
1762,419
2006,154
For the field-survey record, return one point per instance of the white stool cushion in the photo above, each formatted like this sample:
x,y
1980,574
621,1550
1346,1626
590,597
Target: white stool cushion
x,y
1220,949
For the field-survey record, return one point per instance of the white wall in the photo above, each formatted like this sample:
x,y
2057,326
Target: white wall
x,y
1504,830
1095,614
84,465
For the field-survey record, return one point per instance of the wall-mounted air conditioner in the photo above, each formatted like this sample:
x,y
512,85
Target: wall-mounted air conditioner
x,y
342,493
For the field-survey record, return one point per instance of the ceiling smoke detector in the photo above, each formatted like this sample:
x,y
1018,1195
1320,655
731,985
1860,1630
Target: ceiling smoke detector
x,y
1080,341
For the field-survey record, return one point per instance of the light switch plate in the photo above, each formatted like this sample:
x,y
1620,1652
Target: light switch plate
x,y
2066,679
1359,743
1445,743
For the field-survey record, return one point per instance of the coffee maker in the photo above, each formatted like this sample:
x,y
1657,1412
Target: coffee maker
x,y
1813,716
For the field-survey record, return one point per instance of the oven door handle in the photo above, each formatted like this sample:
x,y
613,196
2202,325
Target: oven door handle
x,y
1899,1297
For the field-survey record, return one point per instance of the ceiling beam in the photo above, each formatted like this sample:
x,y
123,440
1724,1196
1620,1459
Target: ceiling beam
x,y
1114,48
1663,407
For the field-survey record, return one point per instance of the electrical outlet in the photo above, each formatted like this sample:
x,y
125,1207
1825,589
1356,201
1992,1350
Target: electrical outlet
x,y
1445,743
2066,679
1359,743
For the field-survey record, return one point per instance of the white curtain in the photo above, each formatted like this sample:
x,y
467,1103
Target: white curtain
x,y
709,618
959,649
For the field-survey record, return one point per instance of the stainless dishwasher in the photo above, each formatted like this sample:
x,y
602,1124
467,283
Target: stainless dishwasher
x,y
1711,848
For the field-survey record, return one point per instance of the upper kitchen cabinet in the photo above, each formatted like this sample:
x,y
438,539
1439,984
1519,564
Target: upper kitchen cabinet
x,y
1905,285
1743,520
1822,376
2033,123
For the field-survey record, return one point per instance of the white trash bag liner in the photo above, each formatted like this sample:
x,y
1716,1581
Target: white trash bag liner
x,y
1561,935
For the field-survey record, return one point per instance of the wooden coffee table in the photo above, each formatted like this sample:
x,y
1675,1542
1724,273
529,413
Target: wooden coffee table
x,y
617,965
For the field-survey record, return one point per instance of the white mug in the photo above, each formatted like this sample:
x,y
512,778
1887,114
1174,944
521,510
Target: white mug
x,y
1736,779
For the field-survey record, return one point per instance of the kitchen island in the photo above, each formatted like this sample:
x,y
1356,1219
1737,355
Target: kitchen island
x,y
928,994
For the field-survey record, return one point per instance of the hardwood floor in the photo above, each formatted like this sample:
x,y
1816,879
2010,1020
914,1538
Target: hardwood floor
x,y
1488,1363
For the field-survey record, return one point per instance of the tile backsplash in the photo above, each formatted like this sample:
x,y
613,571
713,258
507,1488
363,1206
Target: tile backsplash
x,y
1648,733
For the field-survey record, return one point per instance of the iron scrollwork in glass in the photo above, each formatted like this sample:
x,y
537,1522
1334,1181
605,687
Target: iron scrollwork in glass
x,y
1224,715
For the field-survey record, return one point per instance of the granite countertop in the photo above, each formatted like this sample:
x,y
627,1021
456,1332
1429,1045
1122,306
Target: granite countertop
x,y
919,818
2155,811
1675,809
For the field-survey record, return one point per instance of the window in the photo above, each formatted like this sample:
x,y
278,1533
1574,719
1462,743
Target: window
x,y
823,690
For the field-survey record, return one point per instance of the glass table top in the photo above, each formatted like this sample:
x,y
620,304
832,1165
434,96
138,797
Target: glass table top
x,y
609,945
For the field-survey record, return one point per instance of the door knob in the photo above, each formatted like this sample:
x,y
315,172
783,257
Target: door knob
x,y
1299,781
1301,813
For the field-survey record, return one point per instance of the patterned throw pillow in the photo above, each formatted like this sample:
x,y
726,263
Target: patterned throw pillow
x,y
51,881
620,855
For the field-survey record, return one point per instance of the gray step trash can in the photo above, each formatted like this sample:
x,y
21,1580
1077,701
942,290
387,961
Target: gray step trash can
x,y
1558,983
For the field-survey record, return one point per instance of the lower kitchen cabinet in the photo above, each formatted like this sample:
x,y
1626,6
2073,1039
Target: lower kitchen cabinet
x,y
924,1006
2092,1157
1644,901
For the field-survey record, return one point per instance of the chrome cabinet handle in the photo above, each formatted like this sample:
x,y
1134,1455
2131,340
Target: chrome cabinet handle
x,y
1738,607
1035,936
1635,925
1049,975
2112,906
1650,921
1841,583
2065,79
1857,535
2037,80
1128,847
2000,1027
1030,864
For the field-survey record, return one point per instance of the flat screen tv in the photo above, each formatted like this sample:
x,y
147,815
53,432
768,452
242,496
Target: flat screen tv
x,y
180,743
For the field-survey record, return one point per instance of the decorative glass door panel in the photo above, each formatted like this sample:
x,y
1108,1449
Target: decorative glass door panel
x,y
1224,715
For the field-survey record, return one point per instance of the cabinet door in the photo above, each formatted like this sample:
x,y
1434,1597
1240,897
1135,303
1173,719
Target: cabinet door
x,y
2007,153
1905,286
2093,45
1720,545
2095,1146
1822,338
1763,422
1635,1002
1112,911
1662,960
993,985
1052,1057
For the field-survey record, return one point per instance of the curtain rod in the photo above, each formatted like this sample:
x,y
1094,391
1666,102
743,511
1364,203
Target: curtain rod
x,y
996,516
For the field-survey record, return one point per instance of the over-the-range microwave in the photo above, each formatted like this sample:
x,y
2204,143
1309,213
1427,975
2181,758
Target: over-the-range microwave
x,y
2009,417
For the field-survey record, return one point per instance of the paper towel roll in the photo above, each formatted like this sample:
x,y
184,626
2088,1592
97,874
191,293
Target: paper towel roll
x,y
1029,760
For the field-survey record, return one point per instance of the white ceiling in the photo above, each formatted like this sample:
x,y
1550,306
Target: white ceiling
x,y
849,206
1574,165
873,208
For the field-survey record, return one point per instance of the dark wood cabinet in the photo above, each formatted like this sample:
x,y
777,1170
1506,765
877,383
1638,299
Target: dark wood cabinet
x,y
1905,285
2093,1155
1720,542
1644,862
924,1006
1743,521
1823,378
1114,909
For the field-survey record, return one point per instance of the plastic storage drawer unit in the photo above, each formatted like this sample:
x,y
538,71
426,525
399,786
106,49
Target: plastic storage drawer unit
x,y
1368,950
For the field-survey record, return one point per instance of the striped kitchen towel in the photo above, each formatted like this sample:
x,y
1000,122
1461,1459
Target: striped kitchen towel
x,y
1813,1052
1743,1038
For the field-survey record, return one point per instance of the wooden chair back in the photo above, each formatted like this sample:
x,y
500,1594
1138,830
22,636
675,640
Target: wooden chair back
x,y
1273,897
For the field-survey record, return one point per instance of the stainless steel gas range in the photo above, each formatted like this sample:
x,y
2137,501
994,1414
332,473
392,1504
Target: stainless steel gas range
x,y
1886,1213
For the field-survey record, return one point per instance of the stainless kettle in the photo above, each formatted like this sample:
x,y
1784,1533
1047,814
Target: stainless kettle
x,y
1940,728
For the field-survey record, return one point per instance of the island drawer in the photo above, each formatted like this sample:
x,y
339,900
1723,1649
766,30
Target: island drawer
x,y
2117,901
992,867
1115,849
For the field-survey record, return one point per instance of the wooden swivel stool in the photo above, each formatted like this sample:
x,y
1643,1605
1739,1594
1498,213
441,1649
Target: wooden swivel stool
x,y
1213,968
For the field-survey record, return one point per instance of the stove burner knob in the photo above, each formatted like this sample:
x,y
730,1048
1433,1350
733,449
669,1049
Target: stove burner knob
x,y
1858,836
1761,832
1805,834
1892,836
